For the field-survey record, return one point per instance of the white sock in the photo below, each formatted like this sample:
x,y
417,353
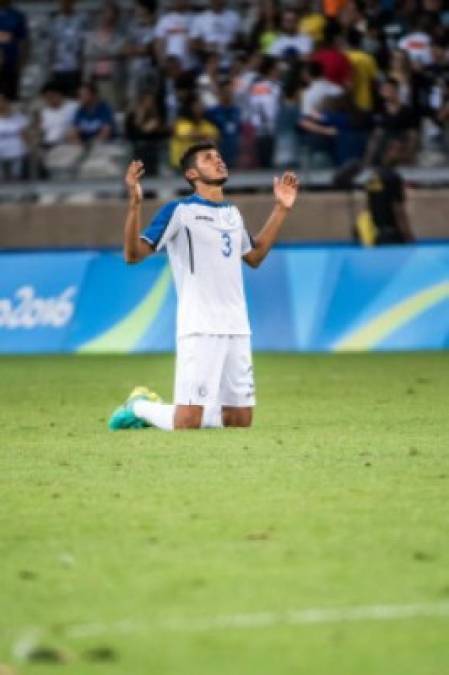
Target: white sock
x,y
160,415
212,417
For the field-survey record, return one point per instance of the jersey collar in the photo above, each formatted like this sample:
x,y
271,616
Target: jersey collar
x,y
196,199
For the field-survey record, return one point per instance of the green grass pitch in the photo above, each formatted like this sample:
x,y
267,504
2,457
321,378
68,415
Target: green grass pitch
x,y
202,553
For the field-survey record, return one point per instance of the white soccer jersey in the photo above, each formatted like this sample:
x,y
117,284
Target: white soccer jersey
x,y
205,242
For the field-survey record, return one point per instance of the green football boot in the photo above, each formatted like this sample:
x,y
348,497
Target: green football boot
x,y
124,418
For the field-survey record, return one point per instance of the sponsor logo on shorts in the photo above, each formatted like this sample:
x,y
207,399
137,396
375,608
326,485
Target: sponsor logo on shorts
x,y
202,391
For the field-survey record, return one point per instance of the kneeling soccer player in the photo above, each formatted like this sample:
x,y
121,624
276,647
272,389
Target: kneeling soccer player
x,y
206,240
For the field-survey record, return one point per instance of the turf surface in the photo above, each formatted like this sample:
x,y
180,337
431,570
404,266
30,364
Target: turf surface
x,y
138,552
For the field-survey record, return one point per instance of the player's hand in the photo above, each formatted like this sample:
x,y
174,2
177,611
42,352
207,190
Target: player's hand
x,y
132,179
286,189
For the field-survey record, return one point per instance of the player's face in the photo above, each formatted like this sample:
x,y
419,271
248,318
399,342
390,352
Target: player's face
x,y
210,167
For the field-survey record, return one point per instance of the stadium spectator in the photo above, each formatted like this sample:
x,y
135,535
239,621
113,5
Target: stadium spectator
x,y
287,150
394,121
243,73
226,116
172,33
175,86
67,34
141,71
386,198
318,89
341,131
94,119
336,65
289,39
311,22
56,116
400,69
103,54
353,16
145,130
191,127
215,29
207,81
266,27
417,42
13,47
332,8
13,141
364,71
263,109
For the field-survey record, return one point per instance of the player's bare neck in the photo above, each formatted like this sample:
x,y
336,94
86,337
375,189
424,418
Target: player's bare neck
x,y
213,193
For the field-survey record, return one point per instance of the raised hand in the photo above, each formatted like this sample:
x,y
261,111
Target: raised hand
x,y
132,179
286,189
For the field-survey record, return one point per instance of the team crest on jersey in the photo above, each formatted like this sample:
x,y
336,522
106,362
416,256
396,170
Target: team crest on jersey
x,y
229,217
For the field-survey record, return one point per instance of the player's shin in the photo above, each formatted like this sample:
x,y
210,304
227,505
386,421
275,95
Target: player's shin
x,y
159,415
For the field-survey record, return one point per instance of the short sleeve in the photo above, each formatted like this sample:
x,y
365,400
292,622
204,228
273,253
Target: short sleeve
x,y
247,242
164,226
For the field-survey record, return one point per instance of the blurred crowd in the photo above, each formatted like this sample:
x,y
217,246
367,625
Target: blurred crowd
x,y
309,84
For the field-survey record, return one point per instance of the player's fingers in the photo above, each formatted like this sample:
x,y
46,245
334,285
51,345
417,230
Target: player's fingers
x,y
290,178
276,181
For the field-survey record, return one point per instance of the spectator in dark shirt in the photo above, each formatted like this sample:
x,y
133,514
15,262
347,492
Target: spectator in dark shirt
x,y
394,120
13,47
94,120
67,33
144,128
227,117
386,198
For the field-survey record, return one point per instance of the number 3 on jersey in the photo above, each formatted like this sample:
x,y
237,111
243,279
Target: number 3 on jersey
x,y
227,244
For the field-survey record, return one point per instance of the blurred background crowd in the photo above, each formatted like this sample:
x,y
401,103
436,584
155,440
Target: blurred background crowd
x,y
84,85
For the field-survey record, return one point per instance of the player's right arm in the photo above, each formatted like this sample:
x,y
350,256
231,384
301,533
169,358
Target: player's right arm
x,y
135,248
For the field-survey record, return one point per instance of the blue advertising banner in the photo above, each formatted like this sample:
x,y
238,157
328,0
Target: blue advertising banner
x,y
300,299
38,296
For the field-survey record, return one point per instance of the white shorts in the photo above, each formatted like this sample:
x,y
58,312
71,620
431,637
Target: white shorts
x,y
214,370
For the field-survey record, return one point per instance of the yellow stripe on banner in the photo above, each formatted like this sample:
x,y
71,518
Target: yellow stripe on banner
x,y
126,334
377,329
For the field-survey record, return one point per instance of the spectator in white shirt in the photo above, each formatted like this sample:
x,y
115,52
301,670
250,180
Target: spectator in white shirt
x,y
318,89
290,40
67,34
216,29
172,33
139,50
103,55
13,141
56,116
418,42
263,109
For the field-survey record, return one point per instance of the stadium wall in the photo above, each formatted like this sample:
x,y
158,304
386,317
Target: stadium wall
x,y
323,216
300,299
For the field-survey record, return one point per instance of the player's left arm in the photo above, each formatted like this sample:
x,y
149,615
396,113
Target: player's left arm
x,y
285,192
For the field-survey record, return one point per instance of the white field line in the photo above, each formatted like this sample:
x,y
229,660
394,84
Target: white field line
x,y
34,636
295,617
